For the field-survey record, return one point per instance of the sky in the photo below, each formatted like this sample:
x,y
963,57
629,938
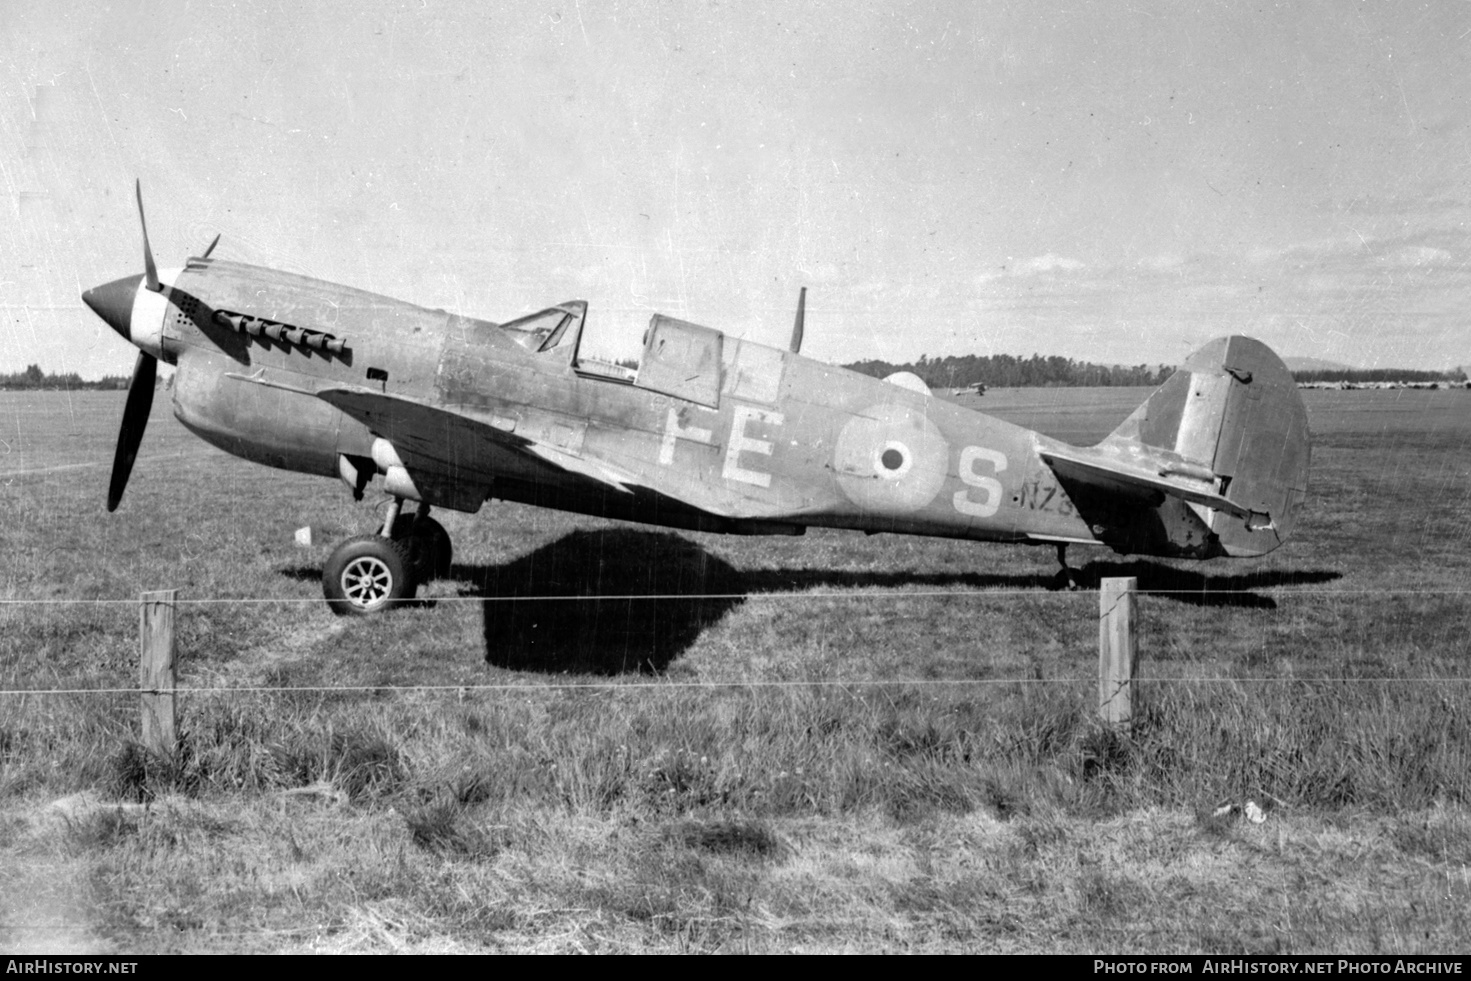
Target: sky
x,y
1108,181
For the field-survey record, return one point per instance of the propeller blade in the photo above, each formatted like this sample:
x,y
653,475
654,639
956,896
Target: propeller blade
x,y
135,420
211,248
148,265
796,345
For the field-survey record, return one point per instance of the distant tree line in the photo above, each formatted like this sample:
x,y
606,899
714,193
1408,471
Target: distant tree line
x,y
34,378
1367,375
1009,371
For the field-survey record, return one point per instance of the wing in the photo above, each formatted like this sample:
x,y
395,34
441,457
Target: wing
x,y
458,455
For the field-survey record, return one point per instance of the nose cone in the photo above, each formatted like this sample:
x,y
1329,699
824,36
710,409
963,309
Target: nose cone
x,y
113,302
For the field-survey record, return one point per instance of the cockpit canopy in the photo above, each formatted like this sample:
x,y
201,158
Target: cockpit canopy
x,y
681,359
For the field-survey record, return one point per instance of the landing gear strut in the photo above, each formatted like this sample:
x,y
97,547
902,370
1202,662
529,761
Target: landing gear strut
x,y
430,552
370,573
1066,576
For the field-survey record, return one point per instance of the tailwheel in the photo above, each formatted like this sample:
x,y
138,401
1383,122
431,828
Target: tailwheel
x,y
429,548
1066,576
367,574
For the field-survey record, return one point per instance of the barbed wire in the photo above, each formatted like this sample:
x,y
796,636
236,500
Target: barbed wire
x,y
532,686
867,595
1275,592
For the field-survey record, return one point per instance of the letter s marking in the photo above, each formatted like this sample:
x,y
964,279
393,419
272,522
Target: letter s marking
x,y
968,476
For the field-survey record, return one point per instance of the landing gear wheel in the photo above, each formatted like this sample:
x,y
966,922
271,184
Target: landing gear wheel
x,y
367,574
429,549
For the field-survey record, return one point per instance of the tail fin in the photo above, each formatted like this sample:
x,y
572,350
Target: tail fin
x,y
1226,437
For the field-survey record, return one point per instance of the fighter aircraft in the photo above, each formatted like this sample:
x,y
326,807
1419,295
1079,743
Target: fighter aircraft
x,y
709,432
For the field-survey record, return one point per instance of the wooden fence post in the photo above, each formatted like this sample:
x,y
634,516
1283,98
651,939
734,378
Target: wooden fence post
x,y
156,672
1117,602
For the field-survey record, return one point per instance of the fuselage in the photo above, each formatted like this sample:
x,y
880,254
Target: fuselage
x,y
714,432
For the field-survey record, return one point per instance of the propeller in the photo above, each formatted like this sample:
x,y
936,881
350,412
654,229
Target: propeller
x,y
135,420
140,389
115,303
796,345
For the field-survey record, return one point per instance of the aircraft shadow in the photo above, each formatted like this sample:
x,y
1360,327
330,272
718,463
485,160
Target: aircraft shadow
x,y
1202,589
656,592
625,601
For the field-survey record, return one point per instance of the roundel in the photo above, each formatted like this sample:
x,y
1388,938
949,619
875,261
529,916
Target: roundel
x,y
890,458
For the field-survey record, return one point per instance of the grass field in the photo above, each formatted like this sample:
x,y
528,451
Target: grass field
x,y
604,737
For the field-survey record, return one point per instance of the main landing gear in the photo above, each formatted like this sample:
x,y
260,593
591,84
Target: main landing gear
x,y
369,573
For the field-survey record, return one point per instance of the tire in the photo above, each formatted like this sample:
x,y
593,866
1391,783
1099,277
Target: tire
x,y
430,552
367,574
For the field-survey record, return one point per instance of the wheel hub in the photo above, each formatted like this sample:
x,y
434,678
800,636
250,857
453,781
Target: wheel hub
x,y
367,580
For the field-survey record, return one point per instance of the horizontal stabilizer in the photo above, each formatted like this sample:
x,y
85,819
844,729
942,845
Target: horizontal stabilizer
x,y
1094,468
